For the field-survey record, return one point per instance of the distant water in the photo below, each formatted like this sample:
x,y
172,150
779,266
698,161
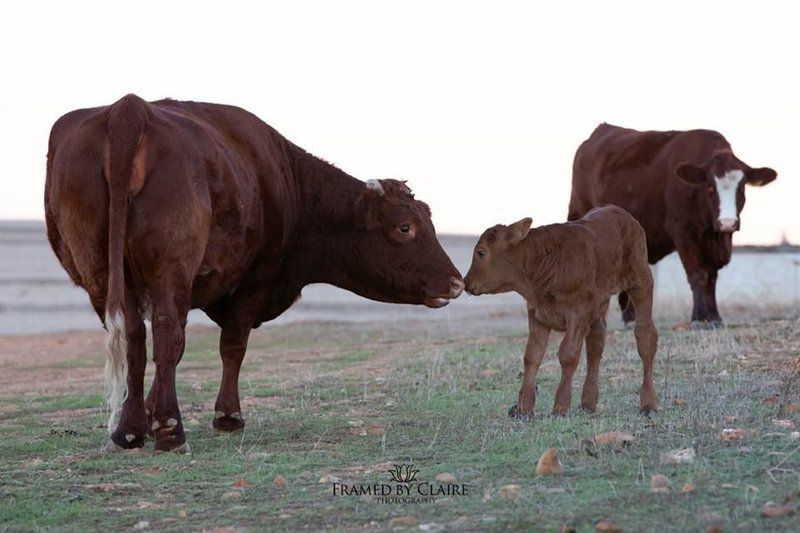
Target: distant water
x,y
37,296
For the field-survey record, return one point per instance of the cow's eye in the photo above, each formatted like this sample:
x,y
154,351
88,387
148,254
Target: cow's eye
x,y
404,228
710,190
480,253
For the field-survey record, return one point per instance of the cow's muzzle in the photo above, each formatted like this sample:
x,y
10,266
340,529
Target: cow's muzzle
x,y
728,225
456,288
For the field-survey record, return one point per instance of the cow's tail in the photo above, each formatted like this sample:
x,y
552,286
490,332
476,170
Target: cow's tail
x,y
126,124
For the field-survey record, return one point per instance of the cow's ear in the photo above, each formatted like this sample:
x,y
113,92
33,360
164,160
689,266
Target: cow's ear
x,y
691,174
517,231
759,177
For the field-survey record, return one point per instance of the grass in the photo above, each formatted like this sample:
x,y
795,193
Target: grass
x,y
350,400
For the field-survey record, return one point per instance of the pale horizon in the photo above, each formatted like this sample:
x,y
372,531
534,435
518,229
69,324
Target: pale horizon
x,y
480,110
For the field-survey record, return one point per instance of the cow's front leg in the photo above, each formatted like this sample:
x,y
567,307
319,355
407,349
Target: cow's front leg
x,y
538,334
232,347
711,298
697,275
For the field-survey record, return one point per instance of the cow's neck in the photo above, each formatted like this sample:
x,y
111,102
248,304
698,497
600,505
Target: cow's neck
x,y
326,237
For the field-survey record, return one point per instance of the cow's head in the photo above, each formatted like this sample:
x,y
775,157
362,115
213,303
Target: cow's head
x,y
724,178
493,266
399,258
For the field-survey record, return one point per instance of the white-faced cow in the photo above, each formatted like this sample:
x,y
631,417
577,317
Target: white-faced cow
x,y
158,208
686,189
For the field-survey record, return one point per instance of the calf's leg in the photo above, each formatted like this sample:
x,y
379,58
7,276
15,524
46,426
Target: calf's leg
x,y
646,344
538,334
595,342
627,308
568,355
711,298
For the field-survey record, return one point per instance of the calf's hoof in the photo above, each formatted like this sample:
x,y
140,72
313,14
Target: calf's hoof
x,y
588,407
169,436
647,409
228,422
183,448
514,412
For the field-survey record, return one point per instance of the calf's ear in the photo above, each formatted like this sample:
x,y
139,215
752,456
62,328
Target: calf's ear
x,y
759,177
517,231
691,174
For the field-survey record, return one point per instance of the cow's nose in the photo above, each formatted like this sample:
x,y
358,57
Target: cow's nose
x,y
727,224
456,287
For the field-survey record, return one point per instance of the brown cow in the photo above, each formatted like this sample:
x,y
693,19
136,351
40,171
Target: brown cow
x,y
567,273
159,208
686,189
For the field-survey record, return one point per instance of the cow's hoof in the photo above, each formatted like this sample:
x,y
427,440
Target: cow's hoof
x,y
588,408
169,434
111,447
705,325
513,412
183,448
227,423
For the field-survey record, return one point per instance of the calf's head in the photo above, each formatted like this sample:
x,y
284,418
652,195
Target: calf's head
x,y
494,263
399,258
724,178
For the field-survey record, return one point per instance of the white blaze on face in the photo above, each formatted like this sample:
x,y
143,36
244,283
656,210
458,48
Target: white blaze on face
x,y
727,185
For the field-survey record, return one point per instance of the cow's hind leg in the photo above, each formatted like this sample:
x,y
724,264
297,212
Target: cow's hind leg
x,y
132,427
595,342
170,309
232,347
646,343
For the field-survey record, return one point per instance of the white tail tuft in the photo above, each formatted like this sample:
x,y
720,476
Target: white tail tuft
x,y
116,371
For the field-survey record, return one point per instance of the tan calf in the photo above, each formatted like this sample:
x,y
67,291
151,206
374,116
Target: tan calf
x,y
567,273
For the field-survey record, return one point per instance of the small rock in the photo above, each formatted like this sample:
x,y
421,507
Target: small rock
x,y
444,501
681,456
614,438
606,525
182,513
445,477
548,463
794,435
375,430
775,509
680,402
231,495
729,419
687,488
257,456
659,483
770,400
403,521
793,408
280,482
241,483
681,326
783,423
508,492
487,372
731,434
142,524
329,478
355,423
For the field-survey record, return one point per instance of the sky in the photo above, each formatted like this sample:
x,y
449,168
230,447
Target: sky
x,y
480,106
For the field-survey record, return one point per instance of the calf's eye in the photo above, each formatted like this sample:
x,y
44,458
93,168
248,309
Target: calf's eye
x,y
404,228
480,253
